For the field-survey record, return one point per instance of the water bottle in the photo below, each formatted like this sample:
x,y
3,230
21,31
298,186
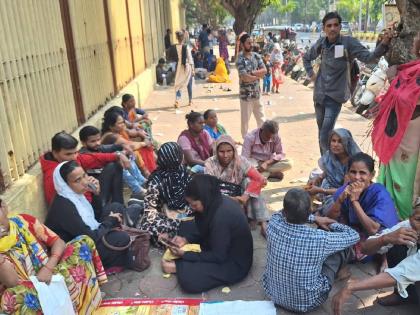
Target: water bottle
x,y
164,80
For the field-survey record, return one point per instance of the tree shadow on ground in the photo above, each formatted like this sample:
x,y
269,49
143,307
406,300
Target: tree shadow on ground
x,y
211,96
295,118
276,194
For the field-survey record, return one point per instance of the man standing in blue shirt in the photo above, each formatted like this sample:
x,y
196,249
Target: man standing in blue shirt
x,y
303,261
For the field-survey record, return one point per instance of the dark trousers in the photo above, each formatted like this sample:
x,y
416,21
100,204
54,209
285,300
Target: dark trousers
x,y
334,263
326,116
394,256
110,257
111,184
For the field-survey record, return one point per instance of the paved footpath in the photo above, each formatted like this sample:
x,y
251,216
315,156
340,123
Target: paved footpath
x,y
293,109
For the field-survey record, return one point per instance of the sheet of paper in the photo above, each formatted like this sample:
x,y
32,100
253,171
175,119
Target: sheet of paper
x,y
338,51
238,308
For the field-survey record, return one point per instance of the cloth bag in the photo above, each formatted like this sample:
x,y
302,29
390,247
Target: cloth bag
x,y
138,248
55,297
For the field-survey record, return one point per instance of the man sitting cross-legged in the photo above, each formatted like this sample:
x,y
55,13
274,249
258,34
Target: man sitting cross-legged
x,y
262,147
303,261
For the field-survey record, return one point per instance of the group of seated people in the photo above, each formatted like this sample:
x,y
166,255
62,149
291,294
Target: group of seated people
x,y
200,198
356,222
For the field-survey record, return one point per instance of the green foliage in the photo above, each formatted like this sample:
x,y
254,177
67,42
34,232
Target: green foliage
x,y
283,8
205,11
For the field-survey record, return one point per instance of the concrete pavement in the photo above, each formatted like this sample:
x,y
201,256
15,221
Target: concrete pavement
x,y
293,109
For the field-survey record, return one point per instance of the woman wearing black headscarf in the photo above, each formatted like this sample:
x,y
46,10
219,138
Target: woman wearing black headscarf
x,y
165,190
224,237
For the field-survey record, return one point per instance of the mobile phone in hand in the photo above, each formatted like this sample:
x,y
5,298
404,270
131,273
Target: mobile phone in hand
x,y
92,187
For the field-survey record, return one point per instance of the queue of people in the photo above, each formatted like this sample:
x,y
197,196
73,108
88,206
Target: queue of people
x,y
200,197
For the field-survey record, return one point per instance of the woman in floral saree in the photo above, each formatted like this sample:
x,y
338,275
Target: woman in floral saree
x,y
29,248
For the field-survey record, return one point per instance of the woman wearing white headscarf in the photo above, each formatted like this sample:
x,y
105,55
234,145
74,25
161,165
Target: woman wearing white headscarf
x,y
71,215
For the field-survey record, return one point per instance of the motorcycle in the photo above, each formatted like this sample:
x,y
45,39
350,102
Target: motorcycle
x,y
376,83
364,75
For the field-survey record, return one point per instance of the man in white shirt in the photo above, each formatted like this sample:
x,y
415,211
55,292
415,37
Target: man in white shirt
x,y
401,243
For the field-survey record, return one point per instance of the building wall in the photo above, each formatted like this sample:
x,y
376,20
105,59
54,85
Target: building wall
x,y
60,63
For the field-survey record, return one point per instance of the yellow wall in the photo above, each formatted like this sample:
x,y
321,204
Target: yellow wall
x,y
36,96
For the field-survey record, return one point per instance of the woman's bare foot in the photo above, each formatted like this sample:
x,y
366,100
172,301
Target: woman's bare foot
x,y
393,299
168,266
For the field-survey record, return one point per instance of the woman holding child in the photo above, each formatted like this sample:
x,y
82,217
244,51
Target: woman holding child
x,y
239,179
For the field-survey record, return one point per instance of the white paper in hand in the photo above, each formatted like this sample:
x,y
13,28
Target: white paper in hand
x,y
55,297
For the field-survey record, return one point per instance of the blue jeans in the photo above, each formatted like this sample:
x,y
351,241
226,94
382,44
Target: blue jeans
x,y
189,89
266,83
133,177
326,116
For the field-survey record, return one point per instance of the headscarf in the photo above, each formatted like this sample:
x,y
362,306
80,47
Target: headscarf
x,y
276,55
333,169
396,110
206,189
22,247
83,206
237,169
220,72
171,177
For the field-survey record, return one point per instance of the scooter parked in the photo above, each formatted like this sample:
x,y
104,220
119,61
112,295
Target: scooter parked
x,y
374,85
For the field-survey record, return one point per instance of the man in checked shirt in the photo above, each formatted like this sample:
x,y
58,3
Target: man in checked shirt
x,y
303,261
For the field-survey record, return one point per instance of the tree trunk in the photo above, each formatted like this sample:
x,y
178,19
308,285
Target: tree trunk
x,y
244,12
400,50
367,16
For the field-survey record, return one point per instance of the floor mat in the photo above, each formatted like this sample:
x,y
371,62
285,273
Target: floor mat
x,y
149,307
